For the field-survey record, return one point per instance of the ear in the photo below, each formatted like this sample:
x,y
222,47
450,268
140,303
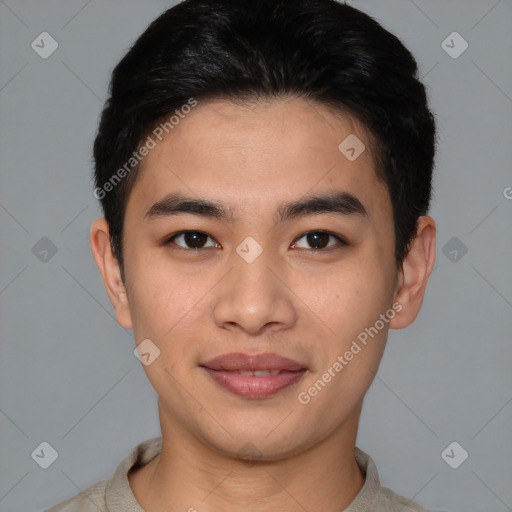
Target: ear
x,y
415,272
110,271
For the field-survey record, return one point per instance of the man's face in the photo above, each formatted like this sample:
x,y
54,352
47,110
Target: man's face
x,y
306,297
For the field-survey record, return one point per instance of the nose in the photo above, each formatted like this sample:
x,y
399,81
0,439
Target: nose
x,y
254,297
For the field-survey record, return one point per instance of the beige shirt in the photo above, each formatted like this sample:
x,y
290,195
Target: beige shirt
x,y
115,495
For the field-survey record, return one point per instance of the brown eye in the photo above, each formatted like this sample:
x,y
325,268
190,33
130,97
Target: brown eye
x,y
191,240
320,240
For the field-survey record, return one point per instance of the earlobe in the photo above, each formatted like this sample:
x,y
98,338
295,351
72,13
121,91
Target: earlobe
x,y
99,239
415,273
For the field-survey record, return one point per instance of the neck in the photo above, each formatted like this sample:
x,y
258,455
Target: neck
x,y
189,475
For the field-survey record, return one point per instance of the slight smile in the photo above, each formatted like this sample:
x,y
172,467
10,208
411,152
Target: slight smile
x,y
254,376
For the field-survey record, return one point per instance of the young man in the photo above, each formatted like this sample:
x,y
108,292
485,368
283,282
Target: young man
x,y
265,172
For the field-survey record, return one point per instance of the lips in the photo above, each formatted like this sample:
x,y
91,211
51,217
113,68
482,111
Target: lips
x,y
238,361
254,376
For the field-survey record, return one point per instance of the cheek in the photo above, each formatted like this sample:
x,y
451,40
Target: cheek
x,y
161,298
350,306
349,298
348,355
166,308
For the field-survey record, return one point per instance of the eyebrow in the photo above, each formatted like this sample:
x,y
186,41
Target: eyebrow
x,y
340,203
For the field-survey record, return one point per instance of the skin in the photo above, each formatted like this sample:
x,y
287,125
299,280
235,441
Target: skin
x,y
302,302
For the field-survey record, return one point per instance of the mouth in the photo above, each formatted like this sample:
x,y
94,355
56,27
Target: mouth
x,y
254,376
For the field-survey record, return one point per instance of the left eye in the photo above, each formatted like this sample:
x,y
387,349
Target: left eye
x,y
319,239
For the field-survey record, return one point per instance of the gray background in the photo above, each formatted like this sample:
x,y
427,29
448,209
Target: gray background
x,y
67,370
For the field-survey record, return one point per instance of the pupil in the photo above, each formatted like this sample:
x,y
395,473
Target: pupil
x,y
313,239
194,238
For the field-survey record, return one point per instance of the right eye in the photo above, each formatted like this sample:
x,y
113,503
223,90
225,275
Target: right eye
x,y
193,240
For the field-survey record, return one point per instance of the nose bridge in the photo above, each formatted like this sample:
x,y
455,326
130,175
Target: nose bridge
x,y
251,273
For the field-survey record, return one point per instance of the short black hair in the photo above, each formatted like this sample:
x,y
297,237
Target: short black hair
x,y
243,50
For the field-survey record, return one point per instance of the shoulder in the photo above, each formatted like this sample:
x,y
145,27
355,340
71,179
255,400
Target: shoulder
x,y
389,501
91,499
113,494
375,497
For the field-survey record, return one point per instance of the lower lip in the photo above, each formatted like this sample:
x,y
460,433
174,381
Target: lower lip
x,y
254,387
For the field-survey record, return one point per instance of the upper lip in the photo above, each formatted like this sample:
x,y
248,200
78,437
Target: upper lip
x,y
239,361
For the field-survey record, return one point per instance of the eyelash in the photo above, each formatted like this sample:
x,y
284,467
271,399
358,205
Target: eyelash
x,y
342,242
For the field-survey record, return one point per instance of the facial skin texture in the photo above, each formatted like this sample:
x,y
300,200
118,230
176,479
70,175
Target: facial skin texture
x,y
298,301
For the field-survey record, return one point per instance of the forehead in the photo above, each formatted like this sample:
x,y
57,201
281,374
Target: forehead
x,y
259,153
